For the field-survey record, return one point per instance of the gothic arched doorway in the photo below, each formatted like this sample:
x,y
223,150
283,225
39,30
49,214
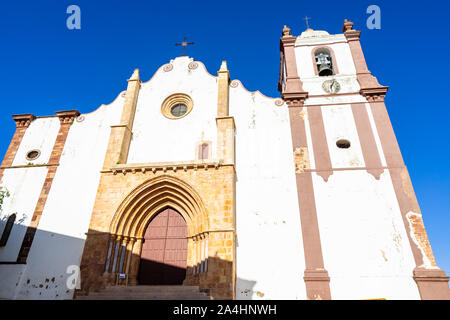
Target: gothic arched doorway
x,y
164,251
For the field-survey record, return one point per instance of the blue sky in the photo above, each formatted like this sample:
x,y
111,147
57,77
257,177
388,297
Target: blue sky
x,y
46,68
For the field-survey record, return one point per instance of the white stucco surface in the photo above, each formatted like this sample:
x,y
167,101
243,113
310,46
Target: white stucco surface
x,y
40,135
24,186
59,240
364,242
159,139
342,61
339,123
269,261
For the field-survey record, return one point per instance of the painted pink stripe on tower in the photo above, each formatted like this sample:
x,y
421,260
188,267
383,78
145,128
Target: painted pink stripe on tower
x,y
367,140
320,144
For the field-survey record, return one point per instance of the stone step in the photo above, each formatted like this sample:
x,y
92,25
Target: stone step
x,y
124,293
153,288
148,293
143,298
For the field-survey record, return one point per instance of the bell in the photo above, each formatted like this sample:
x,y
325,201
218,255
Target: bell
x,y
325,70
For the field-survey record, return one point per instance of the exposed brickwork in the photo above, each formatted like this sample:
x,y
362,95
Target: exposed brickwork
x,y
66,119
301,159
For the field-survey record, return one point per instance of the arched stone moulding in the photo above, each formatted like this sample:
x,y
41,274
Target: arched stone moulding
x,y
147,200
133,215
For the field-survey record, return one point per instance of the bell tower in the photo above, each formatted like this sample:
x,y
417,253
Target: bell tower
x,y
362,227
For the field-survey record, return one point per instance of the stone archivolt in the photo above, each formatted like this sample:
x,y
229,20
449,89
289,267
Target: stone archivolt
x,y
147,200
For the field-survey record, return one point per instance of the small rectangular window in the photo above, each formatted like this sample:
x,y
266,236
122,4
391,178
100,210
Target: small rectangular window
x,y
203,152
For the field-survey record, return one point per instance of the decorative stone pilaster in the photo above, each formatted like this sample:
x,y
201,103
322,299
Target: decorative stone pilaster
x,y
226,140
120,137
66,119
366,80
431,281
22,123
225,123
223,90
291,88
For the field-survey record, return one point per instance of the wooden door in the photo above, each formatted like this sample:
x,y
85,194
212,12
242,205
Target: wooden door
x,y
164,251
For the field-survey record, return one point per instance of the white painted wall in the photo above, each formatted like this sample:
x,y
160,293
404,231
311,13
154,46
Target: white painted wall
x,y
41,135
270,259
339,123
343,60
24,186
59,240
364,242
159,139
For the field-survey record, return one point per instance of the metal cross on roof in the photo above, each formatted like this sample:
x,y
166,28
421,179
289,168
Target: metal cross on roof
x,y
307,20
184,44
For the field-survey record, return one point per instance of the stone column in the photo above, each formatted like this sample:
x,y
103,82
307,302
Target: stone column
x,y
135,261
129,255
117,255
220,275
190,262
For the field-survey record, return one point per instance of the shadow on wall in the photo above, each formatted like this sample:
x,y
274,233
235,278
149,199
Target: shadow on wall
x,y
244,289
156,273
50,270
101,263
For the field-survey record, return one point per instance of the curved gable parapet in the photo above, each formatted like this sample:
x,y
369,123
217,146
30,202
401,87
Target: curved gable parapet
x,y
235,84
119,98
187,63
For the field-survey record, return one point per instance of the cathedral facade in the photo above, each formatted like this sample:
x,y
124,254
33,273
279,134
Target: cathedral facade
x,y
190,179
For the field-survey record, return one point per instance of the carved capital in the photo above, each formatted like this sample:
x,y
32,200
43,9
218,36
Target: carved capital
x,y
352,35
376,94
67,117
23,120
295,99
288,41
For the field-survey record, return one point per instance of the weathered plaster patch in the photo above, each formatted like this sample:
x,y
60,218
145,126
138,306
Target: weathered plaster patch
x,y
384,255
408,190
304,114
418,235
301,159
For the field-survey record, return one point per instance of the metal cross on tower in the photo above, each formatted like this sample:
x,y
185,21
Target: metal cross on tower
x,y
184,44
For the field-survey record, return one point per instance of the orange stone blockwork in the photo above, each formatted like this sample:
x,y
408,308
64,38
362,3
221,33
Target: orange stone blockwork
x,y
129,197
